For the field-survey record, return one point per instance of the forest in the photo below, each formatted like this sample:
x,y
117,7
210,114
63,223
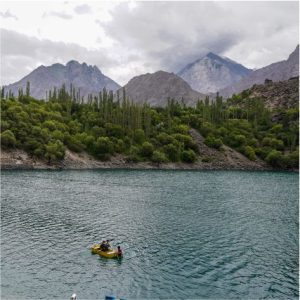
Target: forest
x,y
107,124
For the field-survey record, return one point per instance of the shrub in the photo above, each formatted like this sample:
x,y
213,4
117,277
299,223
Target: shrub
x,y
74,144
114,130
54,151
103,148
188,156
164,139
8,139
183,129
98,131
273,143
147,149
274,158
206,159
159,157
172,152
206,129
57,135
239,140
292,160
133,155
249,152
139,136
213,142
119,146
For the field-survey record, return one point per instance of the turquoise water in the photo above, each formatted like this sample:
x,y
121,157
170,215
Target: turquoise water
x,y
185,234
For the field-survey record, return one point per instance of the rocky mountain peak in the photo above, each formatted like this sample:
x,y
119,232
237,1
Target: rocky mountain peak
x,y
72,63
89,79
212,72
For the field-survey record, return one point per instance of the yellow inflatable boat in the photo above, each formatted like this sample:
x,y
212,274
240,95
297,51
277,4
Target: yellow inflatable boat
x,y
111,253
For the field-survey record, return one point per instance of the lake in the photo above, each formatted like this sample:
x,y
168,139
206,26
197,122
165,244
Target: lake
x,y
185,234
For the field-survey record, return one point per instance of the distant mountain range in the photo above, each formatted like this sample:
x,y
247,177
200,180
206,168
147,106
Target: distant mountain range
x,y
204,76
211,73
156,88
89,79
279,71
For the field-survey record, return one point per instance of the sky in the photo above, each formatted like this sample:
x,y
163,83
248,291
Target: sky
x,y
126,39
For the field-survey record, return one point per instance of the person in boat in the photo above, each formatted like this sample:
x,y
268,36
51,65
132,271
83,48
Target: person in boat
x,y
119,252
102,245
105,246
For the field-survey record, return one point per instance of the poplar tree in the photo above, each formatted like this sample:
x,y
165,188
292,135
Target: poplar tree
x,y
28,89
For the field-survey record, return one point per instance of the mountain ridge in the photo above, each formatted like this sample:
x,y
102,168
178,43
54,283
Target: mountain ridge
x,y
89,79
156,88
278,71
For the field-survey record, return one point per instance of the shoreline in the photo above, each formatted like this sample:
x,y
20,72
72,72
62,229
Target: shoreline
x,y
19,160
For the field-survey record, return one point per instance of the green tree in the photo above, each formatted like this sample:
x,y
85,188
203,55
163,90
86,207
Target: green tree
x,y
172,152
249,152
213,142
147,149
27,89
159,157
274,158
54,151
139,136
188,156
8,139
103,148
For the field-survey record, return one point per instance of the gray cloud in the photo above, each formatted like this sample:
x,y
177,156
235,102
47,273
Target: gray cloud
x,y
82,9
143,37
57,14
171,34
20,54
8,14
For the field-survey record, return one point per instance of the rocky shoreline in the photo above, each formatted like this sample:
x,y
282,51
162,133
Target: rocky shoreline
x,y
20,160
210,159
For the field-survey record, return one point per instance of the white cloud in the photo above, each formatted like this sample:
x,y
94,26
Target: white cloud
x,y
82,9
8,14
58,14
21,54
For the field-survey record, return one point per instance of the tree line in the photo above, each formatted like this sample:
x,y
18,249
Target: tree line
x,y
105,124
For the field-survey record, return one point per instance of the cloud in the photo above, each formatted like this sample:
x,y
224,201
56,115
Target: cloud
x,y
168,35
82,9
57,14
20,54
8,14
125,39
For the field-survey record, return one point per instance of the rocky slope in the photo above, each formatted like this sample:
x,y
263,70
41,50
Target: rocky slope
x,y
279,71
211,73
156,88
89,79
282,94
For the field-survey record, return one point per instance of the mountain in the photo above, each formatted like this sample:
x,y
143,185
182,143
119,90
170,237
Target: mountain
x,y
156,88
212,73
88,78
281,94
279,71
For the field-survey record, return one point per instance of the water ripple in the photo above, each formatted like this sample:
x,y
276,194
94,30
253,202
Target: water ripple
x,y
193,235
